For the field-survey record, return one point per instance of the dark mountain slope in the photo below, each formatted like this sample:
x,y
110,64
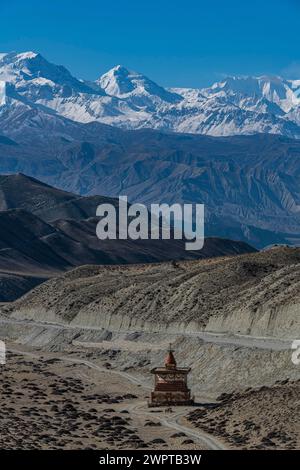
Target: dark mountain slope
x,y
48,203
57,231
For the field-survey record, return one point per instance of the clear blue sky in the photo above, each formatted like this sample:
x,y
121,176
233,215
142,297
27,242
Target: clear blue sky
x,y
187,43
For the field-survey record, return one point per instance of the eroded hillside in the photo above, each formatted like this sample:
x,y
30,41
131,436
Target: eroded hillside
x,y
255,294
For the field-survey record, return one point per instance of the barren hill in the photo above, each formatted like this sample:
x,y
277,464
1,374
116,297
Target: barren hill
x,y
230,319
257,294
262,418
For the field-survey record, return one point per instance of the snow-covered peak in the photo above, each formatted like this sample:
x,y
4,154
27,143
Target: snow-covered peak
x,y
274,89
129,99
7,57
19,65
121,82
118,81
31,69
27,55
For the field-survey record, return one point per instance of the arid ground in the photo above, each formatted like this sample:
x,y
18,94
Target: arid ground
x,y
56,401
81,348
48,402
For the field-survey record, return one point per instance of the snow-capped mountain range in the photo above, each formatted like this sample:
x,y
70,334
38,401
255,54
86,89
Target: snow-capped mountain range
x,y
128,99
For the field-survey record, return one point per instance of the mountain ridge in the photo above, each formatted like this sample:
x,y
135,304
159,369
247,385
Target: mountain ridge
x,y
249,184
130,100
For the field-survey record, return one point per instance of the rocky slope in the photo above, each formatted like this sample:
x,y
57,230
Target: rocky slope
x,y
124,318
254,294
262,418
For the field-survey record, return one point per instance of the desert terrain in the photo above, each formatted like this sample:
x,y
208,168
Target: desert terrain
x,y
261,418
51,401
81,347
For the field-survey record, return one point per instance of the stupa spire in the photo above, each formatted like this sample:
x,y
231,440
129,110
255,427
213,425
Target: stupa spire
x,y
170,361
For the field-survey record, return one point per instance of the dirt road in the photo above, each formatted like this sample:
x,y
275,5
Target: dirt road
x,y
171,421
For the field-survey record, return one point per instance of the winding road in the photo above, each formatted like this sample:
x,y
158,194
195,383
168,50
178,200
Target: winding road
x,y
171,421
248,341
